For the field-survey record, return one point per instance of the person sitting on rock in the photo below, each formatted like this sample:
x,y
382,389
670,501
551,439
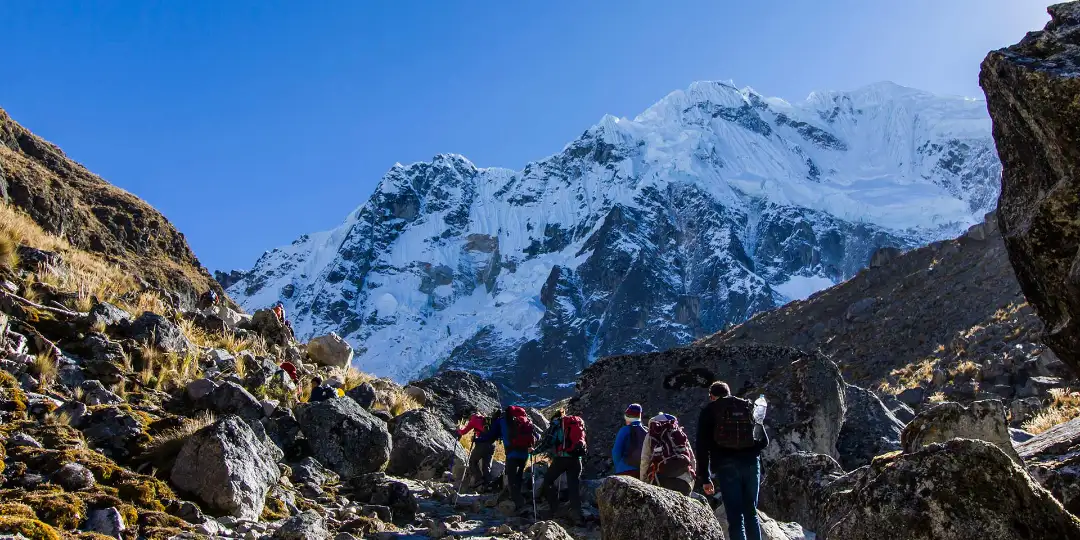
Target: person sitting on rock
x,y
565,443
626,454
486,430
728,449
279,311
319,391
666,457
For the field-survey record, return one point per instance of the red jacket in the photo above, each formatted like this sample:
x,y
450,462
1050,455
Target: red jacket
x,y
476,422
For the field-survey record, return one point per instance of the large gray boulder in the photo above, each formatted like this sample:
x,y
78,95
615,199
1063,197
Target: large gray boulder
x,y
231,398
806,408
1031,90
455,394
344,437
1053,459
159,332
265,323
116,431
307,526
227,468
633,510
870,429
330,350
962,489
796,487
422,447
983,420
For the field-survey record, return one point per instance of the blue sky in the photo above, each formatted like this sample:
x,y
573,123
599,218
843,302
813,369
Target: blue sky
x,y
248,123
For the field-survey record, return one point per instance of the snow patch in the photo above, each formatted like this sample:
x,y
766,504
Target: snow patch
x,y
801,287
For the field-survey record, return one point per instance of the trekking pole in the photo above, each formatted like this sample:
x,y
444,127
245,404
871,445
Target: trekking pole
x,y
533,489
464,472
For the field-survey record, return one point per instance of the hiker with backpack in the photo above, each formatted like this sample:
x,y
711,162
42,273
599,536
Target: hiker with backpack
x,y
565,443
667,459
519,437
729,444
320,391
626,454
486,430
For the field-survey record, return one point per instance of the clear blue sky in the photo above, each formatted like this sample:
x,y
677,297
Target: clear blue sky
x,y
249,123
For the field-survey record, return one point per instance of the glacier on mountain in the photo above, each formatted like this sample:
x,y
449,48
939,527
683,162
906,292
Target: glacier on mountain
x,y
713,204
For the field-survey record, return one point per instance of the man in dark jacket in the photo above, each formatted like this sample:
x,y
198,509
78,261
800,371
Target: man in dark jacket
x,y
565,462
320,391
486,432
737,471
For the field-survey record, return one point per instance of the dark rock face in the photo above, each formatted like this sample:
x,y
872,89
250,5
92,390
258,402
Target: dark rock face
x,y
364,395
805,393
456,394
422,447
227,468
960,490
633,510
983,420
1053,459
227,279
104,314
870,429
379,490
231,398
159,332
345,437
796,486
116,430
265,323
102,359
1031,91
307,526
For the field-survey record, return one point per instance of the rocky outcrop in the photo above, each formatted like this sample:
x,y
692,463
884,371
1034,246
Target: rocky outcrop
x,y
1031,91
959,490
330,350
796,486
983,420
379,490
363,394
804,390
770,528
227,468
422,447
456,394
345,437
1053,459
231,398
870,429
307,526
159,332
633,510
265,323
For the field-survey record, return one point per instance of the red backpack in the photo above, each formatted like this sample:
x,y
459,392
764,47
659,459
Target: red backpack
x,y
671,452
521,429
573,436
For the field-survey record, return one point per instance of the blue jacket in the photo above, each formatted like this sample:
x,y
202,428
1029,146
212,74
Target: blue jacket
x,y
504,430
494,433
618,452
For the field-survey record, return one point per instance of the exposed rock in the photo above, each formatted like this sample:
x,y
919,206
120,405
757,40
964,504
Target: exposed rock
x,y
1031,91
456,394
870,429
961,489
983,420
378,490
94,393
345,437
73,477
158,332
912,397
103,359
795,487
806,408
1053,459
330,350
221,360
116,430
548,530
227,468
74,411
265,323
770,528
105,315
207,322
422,447
364,395
882,256
200,388
231,398
307,526
311,471
284,430
107,521
631,509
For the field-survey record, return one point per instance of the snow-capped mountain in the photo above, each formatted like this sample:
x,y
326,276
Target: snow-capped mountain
x,y
712,205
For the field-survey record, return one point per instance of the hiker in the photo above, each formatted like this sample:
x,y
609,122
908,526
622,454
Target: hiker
x,y
519,437
208,299
319,391
486,430
729,446
279,311
666,458
626,454
289,368
565,442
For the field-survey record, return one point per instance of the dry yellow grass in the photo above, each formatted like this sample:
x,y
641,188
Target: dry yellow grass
x,y
397,403
44,368
354,377
183,431
967,367
1064,406
912,375
142,302
937,397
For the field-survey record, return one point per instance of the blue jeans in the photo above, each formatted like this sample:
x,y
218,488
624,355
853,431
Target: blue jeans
x,y
737,480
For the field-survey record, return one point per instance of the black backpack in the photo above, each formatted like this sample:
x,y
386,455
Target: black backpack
x,y
632,453
733,423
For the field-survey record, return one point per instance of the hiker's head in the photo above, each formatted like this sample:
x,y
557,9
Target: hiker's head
x,y
719,389
497,414
316,381
557,414
632,413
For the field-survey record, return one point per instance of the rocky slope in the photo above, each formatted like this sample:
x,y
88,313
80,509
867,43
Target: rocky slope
x,y
92,215
712,205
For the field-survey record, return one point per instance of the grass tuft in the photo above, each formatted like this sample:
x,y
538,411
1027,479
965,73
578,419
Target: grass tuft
x,y
1064,406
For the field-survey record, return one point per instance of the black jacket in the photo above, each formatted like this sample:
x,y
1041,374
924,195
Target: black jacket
x,y
708,452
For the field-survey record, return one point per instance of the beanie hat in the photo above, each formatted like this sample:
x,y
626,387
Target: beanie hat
x,y
633,410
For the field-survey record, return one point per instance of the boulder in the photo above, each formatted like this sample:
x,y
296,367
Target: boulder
x,y
631,509
74,412
94,393
207,322
116,431
1031,90
796,486
284,430
770,528
870,429
364,395
311,471
107,521
105,315
307,526
200,388
548,530
1053,459
231,398
102,359
345,437
912,397
455,394
962,489
983,420
265,323
227,468
219,360
677,382
422,447
376,489
73,477
330,350
158,332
